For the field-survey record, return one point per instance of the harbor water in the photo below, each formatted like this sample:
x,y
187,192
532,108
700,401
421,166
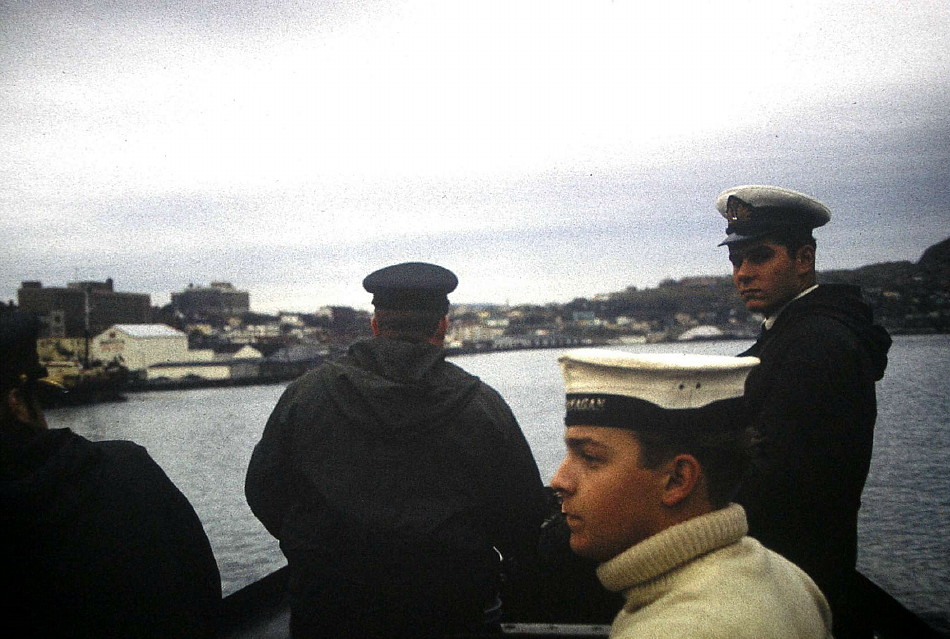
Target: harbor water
x,y
204,438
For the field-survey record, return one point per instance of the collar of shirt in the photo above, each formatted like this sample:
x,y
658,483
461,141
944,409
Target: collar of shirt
x,y
770,320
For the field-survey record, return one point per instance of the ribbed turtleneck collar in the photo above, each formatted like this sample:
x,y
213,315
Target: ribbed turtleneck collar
x,y
642,569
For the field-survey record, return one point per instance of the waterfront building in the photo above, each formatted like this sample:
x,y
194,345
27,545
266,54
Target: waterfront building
x,y
157,351
229,352
215,370
473,332
138,346
82,309
252,333
219,299
294,360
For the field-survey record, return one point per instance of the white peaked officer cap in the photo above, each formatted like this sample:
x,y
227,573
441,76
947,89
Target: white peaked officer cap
x,y
635,391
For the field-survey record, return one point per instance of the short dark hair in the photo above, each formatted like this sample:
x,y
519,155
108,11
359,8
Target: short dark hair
x,y
792,238
409,325
724,455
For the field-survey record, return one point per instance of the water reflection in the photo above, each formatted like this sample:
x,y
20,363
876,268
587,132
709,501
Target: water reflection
x,y
203,439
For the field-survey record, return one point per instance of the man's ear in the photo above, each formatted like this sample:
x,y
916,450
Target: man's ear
x,y
684,475
805,259
438,338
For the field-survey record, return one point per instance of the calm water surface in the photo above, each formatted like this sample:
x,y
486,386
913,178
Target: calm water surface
x,y
203,439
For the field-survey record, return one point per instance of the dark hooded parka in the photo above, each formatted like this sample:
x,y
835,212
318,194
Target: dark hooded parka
x,y
814,401
392,476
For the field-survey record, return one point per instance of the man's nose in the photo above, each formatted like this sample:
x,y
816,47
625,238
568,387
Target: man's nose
x,y
561,483
741,271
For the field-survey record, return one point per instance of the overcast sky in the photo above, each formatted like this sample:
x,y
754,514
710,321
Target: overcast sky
x,y
542,150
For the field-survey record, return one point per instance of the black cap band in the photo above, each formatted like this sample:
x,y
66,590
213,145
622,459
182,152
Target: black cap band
x,y
769,219
409,300
631,413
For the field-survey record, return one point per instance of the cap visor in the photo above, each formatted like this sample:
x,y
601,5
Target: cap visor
x,y
735,238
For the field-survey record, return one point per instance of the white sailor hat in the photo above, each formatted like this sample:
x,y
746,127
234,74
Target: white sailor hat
x,y
755,211
647,391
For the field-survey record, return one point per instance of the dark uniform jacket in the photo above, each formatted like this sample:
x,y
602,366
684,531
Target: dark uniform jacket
x,y
814,406
389,477
98,542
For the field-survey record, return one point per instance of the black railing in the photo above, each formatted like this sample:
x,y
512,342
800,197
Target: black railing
x,y
261,611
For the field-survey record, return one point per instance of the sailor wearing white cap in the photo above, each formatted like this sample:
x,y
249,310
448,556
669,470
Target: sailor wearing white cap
x,y
655,450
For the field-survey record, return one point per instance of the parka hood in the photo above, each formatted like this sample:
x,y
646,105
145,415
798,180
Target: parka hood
x,y
374,381
844,303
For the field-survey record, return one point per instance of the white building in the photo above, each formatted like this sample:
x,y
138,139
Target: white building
x,y
160,351
139,346
473,332
701,332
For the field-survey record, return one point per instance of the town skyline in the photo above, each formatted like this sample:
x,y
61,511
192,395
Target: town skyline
x,y
367,306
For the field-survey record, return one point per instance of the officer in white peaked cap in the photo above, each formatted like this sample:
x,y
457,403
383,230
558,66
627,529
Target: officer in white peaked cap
x,y
812,397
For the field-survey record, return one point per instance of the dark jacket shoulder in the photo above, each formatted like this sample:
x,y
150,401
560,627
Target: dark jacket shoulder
x,y
832,321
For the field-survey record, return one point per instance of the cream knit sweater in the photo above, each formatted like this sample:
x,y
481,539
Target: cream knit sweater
x,y
705,578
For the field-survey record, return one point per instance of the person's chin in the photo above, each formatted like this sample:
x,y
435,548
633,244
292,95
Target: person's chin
x,y
582,548
579,545
756,306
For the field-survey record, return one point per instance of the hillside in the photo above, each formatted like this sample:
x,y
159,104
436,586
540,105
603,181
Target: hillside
x,y
905,296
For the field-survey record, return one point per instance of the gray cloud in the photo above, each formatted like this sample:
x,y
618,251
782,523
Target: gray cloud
x,y
128,158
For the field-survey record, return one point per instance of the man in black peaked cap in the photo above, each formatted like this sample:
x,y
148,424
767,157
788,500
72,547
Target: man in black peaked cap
x,y
98,542
391,477
813,396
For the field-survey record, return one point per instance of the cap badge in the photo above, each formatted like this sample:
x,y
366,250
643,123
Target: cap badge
x,y
737,210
